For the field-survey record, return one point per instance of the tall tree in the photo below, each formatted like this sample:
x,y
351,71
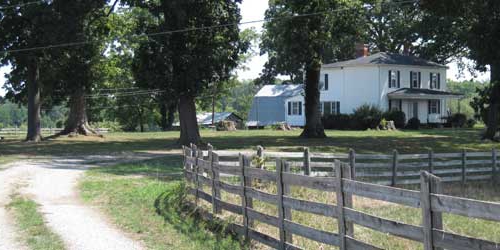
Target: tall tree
x,y
301,35
196,56
479,29
28,26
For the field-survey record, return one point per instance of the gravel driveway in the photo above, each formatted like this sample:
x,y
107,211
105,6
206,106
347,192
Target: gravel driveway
x,y
53,185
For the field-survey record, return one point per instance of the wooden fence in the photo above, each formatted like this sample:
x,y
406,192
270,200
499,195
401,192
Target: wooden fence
x,y
384,169
207,171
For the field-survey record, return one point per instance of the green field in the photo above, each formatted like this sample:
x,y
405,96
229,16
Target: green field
x,y
442,140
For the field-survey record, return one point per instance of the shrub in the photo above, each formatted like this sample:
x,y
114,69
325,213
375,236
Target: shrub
x,y
458,120
340,122
397,116
366,117
470,123
413,123
383,124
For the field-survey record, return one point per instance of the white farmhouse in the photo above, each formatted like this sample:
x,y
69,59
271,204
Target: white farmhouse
x,y
386,80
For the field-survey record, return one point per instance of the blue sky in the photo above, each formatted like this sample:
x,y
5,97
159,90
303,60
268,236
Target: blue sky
x,y
254,10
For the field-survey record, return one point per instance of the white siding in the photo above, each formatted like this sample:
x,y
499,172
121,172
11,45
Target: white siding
x,y
295,120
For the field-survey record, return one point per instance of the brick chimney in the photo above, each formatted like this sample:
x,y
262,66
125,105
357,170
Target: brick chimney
x,y
361,50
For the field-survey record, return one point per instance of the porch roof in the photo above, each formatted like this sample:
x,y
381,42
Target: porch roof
x,y
414,93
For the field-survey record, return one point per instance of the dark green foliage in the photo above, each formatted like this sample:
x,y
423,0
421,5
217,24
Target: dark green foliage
x,y
366,117
480,103
413,123
458,120
399,118
339,122
470,123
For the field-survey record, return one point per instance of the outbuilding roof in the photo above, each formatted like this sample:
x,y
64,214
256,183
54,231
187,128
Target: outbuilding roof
x,y
385,58
206,118
286,90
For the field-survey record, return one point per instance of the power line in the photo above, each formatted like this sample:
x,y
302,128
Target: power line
x,y
19,5
79,43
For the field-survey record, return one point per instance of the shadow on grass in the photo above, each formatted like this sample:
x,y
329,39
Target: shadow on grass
x,y
172,206
441,140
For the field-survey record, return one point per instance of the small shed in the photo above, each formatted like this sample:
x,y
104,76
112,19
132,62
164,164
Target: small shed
x,y
205,119
269,104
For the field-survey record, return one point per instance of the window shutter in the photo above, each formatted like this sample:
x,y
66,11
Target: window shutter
x,y
399,79
300,108
390,80
289,108
400,105
411,79
326,81
430,81
429,107
419,80
390,105
338,107
439,81
439,107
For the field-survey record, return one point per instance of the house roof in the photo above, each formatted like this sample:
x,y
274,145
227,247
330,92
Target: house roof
x,y
206,118
286,90
385,58
422,93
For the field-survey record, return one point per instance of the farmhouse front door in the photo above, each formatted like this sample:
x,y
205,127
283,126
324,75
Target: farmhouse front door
x,y
415,110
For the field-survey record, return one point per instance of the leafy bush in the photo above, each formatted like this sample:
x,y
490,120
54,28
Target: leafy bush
x,y
470,123
458,120
366,117
340,122
397,116
413,123
383,123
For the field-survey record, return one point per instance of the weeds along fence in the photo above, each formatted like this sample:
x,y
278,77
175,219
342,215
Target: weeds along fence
x,y
384,169
209,177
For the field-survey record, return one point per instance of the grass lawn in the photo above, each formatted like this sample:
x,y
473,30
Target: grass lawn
x,y
440,140
140,203
30,222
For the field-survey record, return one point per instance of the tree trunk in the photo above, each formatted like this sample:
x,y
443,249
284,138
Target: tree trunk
x,y
314,127
34,103
187,117
77,122
494,107
172,108
163,113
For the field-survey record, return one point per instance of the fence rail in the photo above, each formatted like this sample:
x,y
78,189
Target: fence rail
x,y
206,171
385,169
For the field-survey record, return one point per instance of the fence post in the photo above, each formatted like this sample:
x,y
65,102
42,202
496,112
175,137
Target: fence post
x,y
194,171
464,165
242,164
431,161
394,167
494,164
288,211
425,204
436,187
307,162
214,160
340,205
260,154
248,183
429,184
352,162
281,210
348,201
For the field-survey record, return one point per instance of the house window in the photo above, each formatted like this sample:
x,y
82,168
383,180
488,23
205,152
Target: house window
x,y
395,105
434,107
435,81
394,79
415,79
329,108
294,108
324,84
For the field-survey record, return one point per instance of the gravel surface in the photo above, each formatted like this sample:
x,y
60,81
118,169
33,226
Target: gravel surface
x,y
53,185
8,234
